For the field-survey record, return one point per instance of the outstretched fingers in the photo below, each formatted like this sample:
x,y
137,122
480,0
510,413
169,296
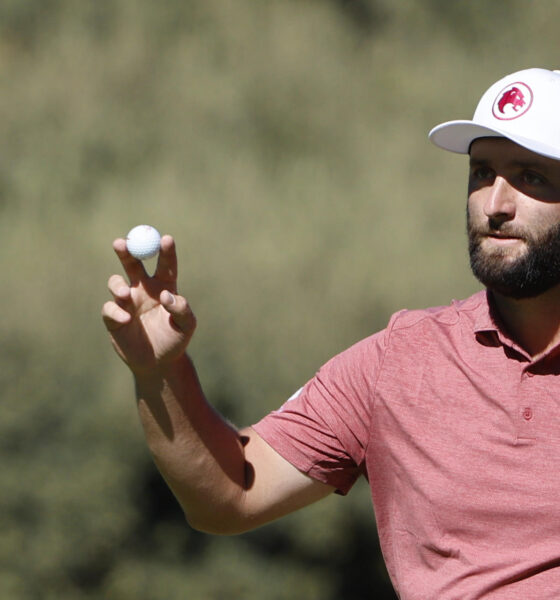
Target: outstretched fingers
x,y
133,267
115,313
180,311
114,316
166,269
119,288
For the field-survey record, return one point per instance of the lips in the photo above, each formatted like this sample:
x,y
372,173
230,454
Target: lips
x,y
501,239
496,239
501,236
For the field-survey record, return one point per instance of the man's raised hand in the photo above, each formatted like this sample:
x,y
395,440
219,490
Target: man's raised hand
x,y
150,325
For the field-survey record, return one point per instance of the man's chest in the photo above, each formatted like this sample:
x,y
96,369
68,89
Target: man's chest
x,y
470,452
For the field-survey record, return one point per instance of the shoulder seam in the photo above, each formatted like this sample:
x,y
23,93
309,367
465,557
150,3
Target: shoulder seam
x,y
387,332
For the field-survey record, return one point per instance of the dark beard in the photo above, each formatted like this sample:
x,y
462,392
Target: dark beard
x,y
534,273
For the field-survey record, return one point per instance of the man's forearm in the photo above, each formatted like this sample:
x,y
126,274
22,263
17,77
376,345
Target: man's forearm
x,y
198,453
226,481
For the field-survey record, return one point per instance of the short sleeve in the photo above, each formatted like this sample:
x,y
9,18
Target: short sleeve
x,y
323,430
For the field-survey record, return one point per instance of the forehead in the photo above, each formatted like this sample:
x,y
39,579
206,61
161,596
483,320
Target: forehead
x,y
505,151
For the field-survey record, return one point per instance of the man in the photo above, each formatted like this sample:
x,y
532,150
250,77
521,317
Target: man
x,y
452,413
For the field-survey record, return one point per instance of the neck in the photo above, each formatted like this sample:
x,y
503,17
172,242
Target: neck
x,y
534,323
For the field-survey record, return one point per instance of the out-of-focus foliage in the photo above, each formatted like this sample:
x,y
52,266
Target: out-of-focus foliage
x,y
283,143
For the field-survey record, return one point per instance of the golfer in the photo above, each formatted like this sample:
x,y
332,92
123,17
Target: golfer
x,y
451,413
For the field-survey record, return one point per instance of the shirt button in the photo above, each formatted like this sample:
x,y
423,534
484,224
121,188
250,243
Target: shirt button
x,y
527,413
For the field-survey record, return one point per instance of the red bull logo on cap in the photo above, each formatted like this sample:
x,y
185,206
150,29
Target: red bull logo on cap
x,y
512,102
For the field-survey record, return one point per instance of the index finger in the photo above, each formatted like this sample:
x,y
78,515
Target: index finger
x,y
166,269
132,266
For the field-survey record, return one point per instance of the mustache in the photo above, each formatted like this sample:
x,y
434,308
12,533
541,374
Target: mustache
x,y
495,228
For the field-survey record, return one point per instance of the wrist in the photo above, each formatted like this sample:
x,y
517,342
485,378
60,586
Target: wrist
x,y
161,371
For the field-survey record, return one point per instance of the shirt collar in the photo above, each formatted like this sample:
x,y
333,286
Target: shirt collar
x,y
489,328
485,316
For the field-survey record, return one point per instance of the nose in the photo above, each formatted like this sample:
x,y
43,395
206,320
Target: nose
x,y
500,201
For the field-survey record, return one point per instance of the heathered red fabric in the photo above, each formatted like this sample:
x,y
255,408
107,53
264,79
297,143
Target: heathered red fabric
x,y
458,433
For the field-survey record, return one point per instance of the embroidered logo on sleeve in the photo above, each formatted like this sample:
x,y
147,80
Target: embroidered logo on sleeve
x,y
292,397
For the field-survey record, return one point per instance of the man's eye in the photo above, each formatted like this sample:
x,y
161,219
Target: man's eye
x,y
531,178
482,173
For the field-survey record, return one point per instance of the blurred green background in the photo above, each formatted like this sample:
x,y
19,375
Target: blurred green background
x,y
283,143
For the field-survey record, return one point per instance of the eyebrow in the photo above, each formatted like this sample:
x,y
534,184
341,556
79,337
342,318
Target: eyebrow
x,y
524,164
478,162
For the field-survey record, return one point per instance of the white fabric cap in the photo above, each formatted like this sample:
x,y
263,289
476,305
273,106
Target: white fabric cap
x,y
523,107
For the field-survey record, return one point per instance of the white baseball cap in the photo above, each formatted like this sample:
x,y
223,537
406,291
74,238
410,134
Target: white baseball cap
x,y
523,107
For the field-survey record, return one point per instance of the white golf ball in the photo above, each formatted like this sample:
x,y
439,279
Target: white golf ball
x,y
143,241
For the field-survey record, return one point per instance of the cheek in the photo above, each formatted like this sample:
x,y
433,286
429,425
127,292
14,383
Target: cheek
x,y
538,216
541,225
474,211
552,216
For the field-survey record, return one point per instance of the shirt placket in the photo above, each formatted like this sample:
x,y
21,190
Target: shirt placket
x,y
528,407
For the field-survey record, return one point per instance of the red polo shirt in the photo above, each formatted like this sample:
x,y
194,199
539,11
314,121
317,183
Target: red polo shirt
x,y
457,430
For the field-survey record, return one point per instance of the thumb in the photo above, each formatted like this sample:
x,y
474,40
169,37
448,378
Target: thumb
x,y
180,311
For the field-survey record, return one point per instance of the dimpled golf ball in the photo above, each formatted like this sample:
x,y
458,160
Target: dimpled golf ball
x,y
143,241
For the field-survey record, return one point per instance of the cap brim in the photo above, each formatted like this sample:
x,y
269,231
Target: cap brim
x,y
457,136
